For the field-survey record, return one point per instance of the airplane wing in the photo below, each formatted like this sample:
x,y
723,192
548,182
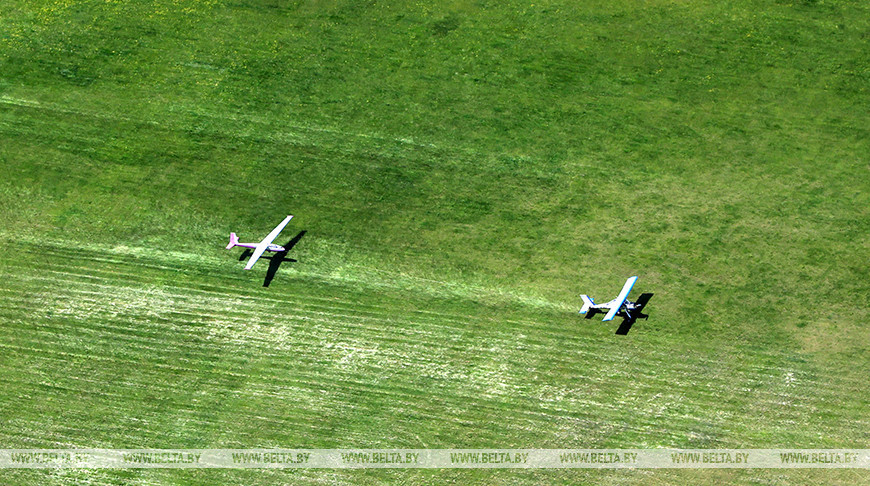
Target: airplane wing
x,y
619,300
261,247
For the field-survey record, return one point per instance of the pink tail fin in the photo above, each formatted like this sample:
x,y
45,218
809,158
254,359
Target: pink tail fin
x,y
234,240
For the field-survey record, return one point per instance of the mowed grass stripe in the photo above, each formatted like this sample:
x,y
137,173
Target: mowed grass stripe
x,y
332,315
210,267
386,330
183,316
598,404
343,315
358,307
587,345
485,342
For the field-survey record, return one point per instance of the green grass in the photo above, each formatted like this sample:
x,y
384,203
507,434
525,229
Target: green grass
x,y
463,171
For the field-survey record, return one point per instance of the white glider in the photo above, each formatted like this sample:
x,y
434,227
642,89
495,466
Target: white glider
x,y
265,245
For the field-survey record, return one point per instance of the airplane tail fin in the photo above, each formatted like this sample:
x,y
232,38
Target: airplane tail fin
x,y
234,240
587,303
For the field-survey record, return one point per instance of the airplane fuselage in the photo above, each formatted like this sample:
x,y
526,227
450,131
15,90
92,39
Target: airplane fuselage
x,y
627,305
271,247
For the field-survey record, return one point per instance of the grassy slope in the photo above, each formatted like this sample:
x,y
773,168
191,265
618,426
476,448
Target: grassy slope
x,y
463,172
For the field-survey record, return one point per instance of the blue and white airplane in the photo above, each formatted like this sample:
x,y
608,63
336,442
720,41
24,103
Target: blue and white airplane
x,y
629,311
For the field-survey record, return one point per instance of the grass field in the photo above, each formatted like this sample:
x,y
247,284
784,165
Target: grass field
x,y
462,172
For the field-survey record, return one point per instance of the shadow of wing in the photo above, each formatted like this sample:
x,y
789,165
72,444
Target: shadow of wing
x,y
642,301
274,263
625,326
290,244
278,258
627,322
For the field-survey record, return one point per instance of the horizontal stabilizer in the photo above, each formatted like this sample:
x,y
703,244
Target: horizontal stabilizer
x,y
587,303
234,240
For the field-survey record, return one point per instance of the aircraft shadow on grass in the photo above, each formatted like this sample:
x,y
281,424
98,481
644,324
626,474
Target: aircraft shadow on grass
x,y
275,259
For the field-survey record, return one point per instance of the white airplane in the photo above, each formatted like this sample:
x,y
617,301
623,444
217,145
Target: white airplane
x,y
262,246
629,311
